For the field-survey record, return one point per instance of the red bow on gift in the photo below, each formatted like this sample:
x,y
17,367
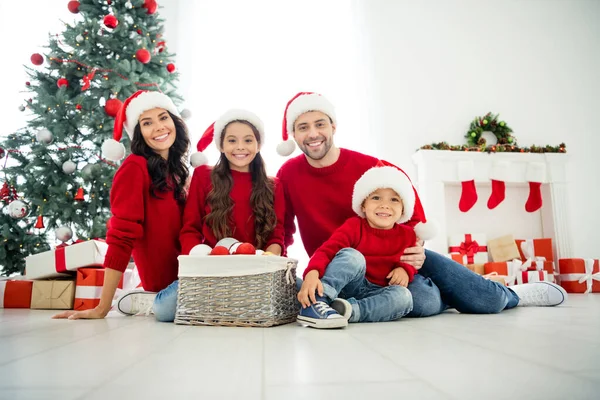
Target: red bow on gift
x,y
468,248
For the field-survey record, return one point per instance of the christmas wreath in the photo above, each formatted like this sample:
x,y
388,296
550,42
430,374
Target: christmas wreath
x,y
489,122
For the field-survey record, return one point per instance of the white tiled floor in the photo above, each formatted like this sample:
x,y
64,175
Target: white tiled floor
x,y
527,353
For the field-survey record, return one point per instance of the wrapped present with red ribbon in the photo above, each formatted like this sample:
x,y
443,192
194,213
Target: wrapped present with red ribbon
x,y
533,276
472,248
89,286
535,248
501,279
64,258
578,275
15,293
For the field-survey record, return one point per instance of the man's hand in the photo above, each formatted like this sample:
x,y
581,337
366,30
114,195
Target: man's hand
x,y
415,255
94,313
398,276
311,284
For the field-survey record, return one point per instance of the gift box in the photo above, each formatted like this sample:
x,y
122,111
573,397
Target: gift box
x,y
57,262
53,295
519,272
532,276
89,284
477,268
578,275
15,293
532,248
472,248
501,279
456,257
503,249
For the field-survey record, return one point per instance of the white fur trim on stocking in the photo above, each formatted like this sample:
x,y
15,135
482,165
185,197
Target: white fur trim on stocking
x,y
466,171
500,171
536,172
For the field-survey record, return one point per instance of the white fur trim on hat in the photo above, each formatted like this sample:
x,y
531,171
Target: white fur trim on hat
x,y
382,178
113,150
306,103
536,172
144,102
426,230
237,115
286,148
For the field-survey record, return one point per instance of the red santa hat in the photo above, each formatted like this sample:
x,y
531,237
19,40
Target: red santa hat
x,y
215,131
386,177
128,116
301,103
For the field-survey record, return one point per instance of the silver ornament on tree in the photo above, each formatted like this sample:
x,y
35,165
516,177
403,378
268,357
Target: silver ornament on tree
x,y
69,167
17,209
63,233
87,171
21,107
44,136
79,39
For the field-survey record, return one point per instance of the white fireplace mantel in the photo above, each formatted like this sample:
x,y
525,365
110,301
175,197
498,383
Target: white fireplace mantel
x,y
438,168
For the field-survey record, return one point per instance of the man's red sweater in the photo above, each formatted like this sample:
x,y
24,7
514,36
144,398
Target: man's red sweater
x,y
381,248
143,225
321,198
195,231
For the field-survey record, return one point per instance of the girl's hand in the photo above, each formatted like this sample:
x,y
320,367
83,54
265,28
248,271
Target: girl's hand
x,y
311,284
274,250
398,276
94,313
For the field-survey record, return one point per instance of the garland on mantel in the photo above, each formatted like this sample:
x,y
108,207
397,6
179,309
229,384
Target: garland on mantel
x,y
499,148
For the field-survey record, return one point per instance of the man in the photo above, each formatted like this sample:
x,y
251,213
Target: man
x,y
318,191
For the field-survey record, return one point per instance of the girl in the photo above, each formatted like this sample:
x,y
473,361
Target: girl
x,y
146,199
235,198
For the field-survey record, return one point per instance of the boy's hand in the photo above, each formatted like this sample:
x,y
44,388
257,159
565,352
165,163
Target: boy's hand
x,y
311,284
398,276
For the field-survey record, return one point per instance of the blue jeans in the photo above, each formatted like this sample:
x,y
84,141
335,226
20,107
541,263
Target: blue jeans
x,y
165,303
345,278
462,289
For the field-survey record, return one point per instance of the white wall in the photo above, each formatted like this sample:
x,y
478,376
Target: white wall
x,y
435,65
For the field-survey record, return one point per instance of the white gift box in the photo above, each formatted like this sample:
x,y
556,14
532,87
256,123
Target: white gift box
x,y
472,247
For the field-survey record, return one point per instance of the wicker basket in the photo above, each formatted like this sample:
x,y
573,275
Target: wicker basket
x,y
236,290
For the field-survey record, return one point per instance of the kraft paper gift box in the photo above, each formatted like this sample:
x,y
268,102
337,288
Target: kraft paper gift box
x,y
503,249
501,279
477,268
578,275
533,248
15,293
472,248
58,262
89,286
52,295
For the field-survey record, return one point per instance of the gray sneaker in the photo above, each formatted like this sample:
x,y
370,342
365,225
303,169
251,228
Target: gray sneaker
x,y
540,294
343,307
136,302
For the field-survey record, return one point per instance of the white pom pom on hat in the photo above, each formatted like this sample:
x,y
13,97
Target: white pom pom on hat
x,y
128,116
301,103
215,130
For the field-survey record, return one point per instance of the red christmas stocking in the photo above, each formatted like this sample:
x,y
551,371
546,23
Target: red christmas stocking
x,y
498,177
468,197
536,174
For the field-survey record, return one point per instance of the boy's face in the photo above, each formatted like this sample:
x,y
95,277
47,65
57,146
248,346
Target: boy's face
x,y
383,208
313,133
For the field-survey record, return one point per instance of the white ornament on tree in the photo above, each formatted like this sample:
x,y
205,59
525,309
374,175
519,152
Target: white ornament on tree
x,y
87,171
102,102
17,209
21,107
69,167
64,233
44,136
79,39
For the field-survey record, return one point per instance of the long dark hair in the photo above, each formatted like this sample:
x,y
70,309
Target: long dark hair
x,y
261,200
169,174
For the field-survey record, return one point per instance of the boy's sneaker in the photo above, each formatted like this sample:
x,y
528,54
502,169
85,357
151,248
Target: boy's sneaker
x,y
343,307
540,294
136,302
321,316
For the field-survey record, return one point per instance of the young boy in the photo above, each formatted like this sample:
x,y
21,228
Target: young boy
x,y
356,275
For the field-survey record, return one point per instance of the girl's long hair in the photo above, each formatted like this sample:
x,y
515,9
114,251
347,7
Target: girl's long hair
x,y
169,174
261,200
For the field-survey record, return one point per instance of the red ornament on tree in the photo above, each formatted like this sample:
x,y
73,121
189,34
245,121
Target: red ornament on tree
x,y
79,195
151,6
39,224
171,67
78,107
143,56
37,59
2,152
108,2
27,84
112,107
62,82
73,6
139,31
111,21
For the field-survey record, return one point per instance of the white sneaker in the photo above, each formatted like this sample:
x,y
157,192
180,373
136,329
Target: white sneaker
x,y
540,294
136,302
343,307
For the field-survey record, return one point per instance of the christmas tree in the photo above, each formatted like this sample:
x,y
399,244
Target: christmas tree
x,y
54,181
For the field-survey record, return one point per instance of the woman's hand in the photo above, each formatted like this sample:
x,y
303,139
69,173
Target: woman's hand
x,y
311,284
415,255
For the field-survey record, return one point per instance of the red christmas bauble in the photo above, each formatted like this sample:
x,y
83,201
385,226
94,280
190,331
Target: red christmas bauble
x,y
112,107
219,251
62,82
111,21
2,152
171,67
27,84
73,6
78,106
245,248
108,2
37,59
143,56
139,31
151,6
